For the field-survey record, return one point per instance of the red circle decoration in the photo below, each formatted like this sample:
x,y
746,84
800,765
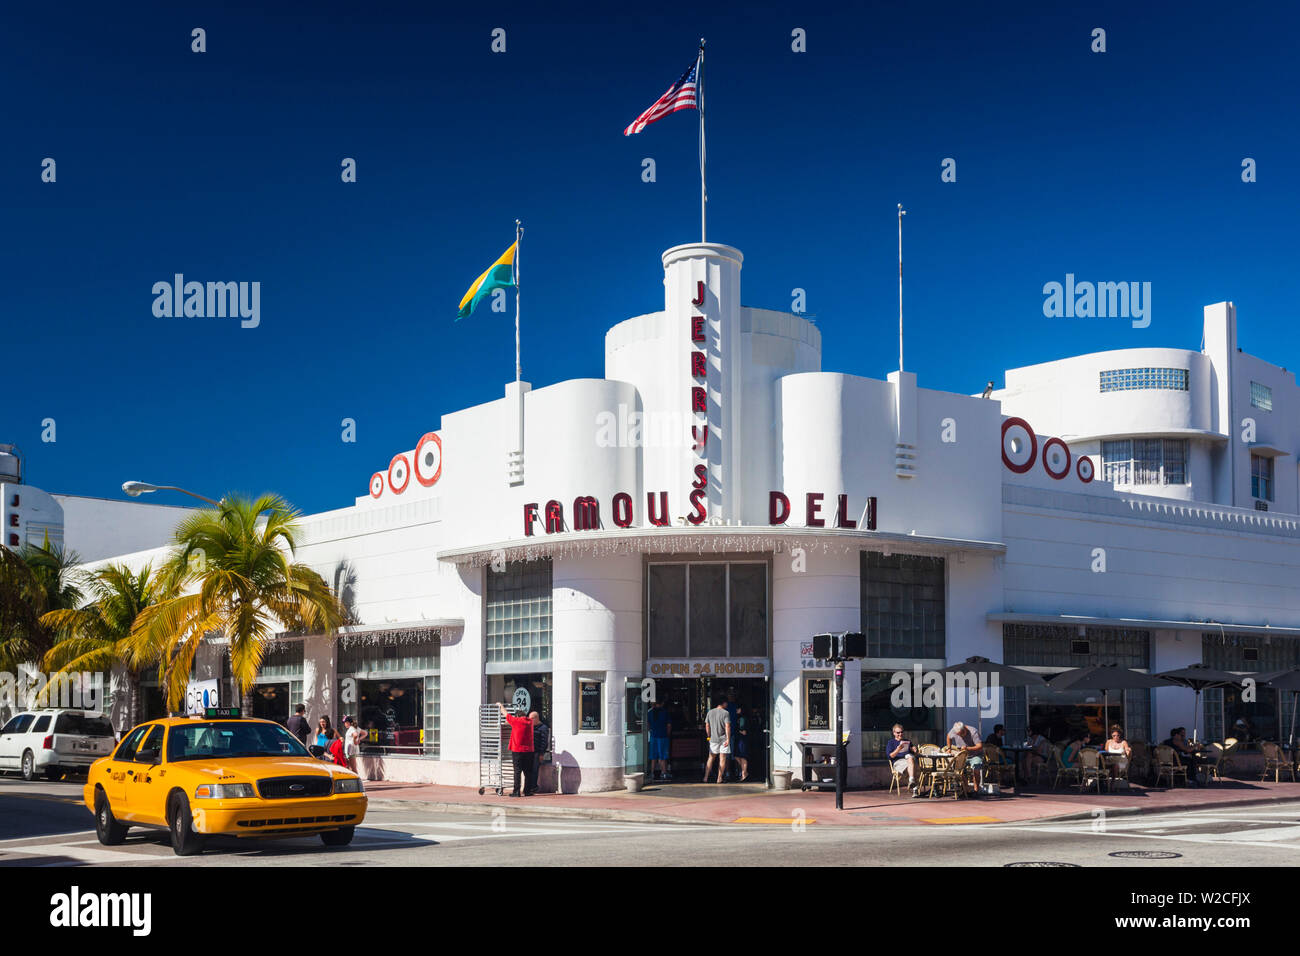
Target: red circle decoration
x,y
1085,469
1048,446
428,460
399,474
1021,424
376,484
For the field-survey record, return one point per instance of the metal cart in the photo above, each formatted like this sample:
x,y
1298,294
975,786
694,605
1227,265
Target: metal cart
x,y
494,763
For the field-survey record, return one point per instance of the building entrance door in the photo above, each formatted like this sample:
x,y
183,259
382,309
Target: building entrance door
x,y
688,701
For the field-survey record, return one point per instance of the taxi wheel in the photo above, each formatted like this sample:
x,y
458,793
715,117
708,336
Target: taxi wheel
x,y
185,842
109,831
340,837
29,766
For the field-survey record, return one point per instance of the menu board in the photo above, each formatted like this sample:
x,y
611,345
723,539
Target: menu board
x,y
817,703
589,710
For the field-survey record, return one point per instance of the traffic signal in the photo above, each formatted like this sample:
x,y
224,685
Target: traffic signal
x,y
839,647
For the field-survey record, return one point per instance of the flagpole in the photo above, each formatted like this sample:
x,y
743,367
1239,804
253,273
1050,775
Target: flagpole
x,y
901,213
519,233
699,87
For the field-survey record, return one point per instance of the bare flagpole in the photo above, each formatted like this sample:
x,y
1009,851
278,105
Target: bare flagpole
x,y
699,98
519,233
901,213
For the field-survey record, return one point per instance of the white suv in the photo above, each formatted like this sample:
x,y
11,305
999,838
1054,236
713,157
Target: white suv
x,y
54,742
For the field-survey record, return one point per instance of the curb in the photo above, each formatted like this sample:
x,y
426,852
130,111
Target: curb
x,y
1172,808
557,813
637,816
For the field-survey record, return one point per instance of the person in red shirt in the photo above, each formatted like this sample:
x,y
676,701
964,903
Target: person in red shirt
x,y
521,750
335,751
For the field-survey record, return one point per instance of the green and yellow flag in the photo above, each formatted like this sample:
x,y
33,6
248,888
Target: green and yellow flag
x,y
500,275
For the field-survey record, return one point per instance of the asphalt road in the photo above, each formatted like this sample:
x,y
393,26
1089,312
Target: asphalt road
x,y
44,824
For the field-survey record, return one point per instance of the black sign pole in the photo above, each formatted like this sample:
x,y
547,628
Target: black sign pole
x,y
840,751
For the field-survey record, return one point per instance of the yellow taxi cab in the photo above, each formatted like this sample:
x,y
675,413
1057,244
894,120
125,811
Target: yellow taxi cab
x,y
220,774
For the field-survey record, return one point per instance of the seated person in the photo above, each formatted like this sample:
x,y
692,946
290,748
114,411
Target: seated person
x,y
1070,756
1118,745
964,737
1186,753
1039,750
995,739
902,757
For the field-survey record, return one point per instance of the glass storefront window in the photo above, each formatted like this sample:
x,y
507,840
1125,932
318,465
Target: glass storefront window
x,y
922,725
1060,714
393,688
1268,716
537,688
391,712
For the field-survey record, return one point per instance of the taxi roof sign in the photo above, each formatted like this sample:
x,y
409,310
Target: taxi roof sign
x,y
211,712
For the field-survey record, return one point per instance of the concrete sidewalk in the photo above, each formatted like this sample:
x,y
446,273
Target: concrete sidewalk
x,y
753,804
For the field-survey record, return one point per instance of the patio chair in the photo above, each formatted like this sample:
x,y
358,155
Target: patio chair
x,y
926,766
1231,747
1168,765
1091,769
996,767
1214,771
1276,761
1062,771
950,778
1139,764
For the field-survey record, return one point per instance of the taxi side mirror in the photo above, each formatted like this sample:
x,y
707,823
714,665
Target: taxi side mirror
x,y
149,757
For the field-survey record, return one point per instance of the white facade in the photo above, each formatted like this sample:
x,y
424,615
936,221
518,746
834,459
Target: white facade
x,y
1028,536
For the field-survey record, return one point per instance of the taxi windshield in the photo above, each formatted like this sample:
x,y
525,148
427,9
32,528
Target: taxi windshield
x,y
229,739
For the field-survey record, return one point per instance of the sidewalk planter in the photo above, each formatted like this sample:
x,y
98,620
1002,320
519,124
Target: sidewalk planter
x,y
781,779
634,782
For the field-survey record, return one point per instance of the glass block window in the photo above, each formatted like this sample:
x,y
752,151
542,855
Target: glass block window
x,y
1132,379
1053,645
519,614
1145,461
1248,653
432,715
707,609
902,605
1261,396
1261,477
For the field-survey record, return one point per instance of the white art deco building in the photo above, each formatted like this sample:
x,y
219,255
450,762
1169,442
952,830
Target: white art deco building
x,y
716,499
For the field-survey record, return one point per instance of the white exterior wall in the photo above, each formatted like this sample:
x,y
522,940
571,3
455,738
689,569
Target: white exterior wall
x,y
413,553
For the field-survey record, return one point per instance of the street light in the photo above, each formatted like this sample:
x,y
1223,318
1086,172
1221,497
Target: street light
x,y
137,488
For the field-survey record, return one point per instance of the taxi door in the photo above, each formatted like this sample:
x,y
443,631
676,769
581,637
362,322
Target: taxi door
x,y
116,778
146,785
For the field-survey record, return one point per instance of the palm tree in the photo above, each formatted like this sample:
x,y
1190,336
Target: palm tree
x,y
96,636
33,582
233,573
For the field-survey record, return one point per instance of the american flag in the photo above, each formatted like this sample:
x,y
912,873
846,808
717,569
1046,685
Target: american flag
x,y
680,96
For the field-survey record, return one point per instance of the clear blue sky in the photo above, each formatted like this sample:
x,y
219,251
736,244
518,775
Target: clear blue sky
x,y
225,166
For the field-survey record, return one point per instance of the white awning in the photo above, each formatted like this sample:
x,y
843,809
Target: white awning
x,y
711,540
1144,623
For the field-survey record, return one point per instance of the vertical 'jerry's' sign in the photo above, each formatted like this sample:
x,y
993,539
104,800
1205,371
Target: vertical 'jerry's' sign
x,y
699,405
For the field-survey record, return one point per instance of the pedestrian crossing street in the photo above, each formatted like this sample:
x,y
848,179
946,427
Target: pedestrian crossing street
x,y
1277,828
150,848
